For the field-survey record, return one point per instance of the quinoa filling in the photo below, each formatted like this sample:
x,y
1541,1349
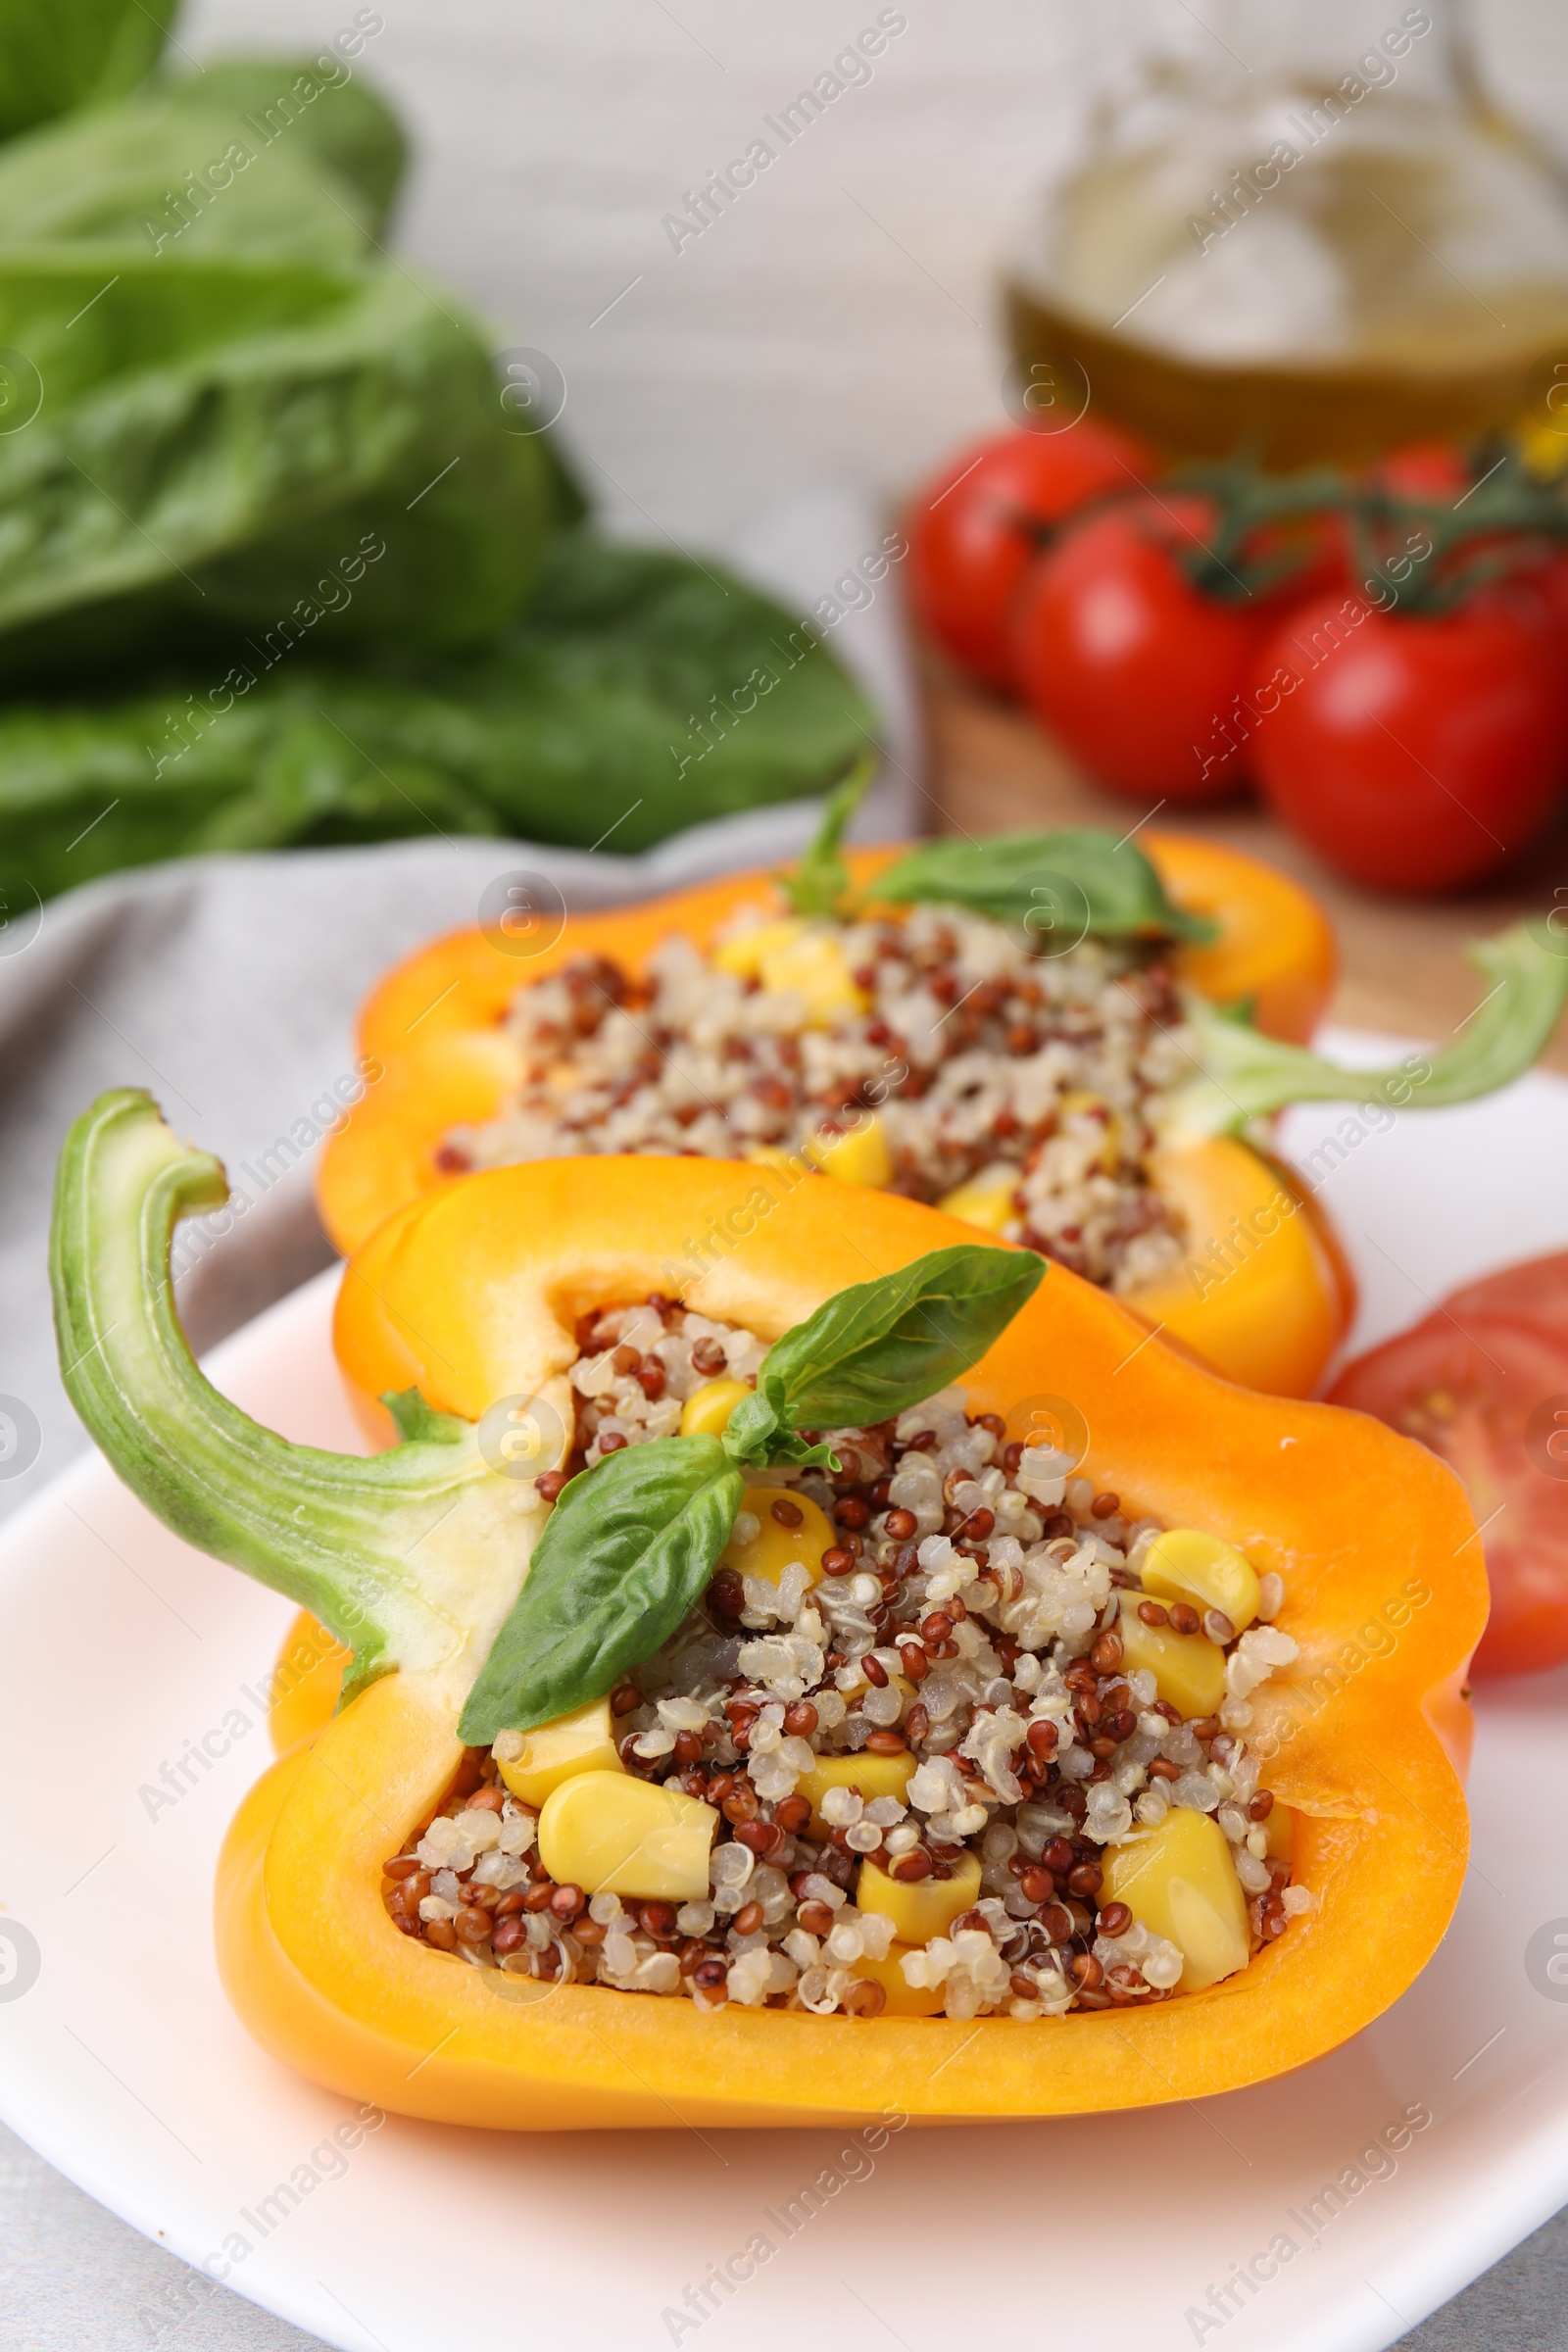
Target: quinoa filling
x,y
981,1060
941,1698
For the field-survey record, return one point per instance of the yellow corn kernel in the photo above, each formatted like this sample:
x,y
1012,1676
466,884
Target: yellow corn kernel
x,y
920,1908
1109,1156
788,954
986,1200
1184,1564
903,1998
743,951
611,1833
811,964
860,1157
705,1413
1189,1669
1279,1833
581,1741
774,1546
874,1776
1180,1881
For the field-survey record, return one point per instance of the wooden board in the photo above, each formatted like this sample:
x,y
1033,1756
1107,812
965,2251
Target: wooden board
x,y
1402,964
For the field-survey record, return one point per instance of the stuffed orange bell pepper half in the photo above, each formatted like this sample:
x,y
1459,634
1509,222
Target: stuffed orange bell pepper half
x,y
753,1717
1063,1041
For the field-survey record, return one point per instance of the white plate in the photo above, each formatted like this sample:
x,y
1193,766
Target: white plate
x,y
121,1649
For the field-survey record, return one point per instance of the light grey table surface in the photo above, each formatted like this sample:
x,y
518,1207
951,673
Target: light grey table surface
x,y
73,2278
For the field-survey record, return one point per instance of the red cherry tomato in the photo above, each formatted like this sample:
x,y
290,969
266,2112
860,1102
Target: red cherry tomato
x,y
1430,473
975,530
1424,469
1414,752
1310,552
1544,574
1440,473
1490,1395
1136,671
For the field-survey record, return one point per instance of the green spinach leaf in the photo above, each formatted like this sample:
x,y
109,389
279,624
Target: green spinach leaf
x,y
562,730
275,551
59,54
340,123
225,492
1057,886
620,647
234,389
626,1552
180,173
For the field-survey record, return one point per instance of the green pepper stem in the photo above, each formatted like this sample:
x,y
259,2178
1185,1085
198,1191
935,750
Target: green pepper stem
x,y
411,1558
1244,1074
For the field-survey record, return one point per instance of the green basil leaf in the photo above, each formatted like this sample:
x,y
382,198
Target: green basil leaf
x,y
626,1553
755,1424
821,880
1060,887
758,1436
788,1447
882,1346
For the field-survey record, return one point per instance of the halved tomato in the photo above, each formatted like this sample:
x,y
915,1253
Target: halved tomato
x,y
1489,1393
1533,1291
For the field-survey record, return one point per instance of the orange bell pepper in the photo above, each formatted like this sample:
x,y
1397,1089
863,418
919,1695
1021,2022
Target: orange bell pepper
x,y
1265,1294
476,1288
433,1026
